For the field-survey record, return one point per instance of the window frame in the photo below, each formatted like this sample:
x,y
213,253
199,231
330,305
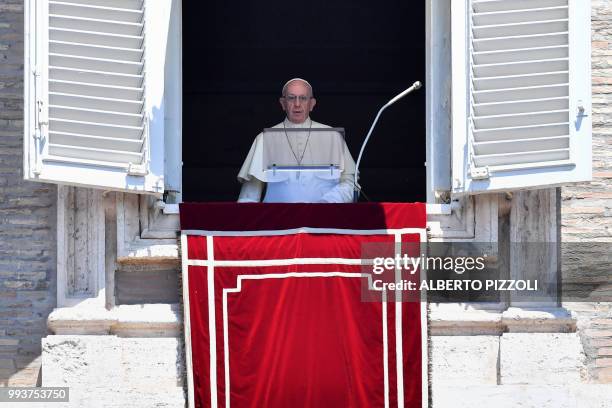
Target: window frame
x,y
438,118
438,107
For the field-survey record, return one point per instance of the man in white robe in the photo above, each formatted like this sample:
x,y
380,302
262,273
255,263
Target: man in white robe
x,y
300,149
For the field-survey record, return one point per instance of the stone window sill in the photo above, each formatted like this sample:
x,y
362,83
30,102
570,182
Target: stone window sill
x,y
165,320
473,319
146,320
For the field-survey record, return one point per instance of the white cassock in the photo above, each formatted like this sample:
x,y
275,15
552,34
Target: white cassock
x,y
298,148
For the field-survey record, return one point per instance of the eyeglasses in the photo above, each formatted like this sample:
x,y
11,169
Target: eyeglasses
x,y
293,98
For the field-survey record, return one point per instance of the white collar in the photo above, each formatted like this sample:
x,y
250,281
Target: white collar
x,y
305,124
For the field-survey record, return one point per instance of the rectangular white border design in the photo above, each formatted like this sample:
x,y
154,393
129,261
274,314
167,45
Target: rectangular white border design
x,y
211,263
212,320
238,288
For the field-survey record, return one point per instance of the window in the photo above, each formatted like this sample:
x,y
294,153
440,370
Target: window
x,y
507,88
236,57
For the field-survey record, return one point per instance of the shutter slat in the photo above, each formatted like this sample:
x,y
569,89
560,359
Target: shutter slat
x,y
521,41
528,28
521,145
97,12
524,93
520,16
99,142
96,78
483,6
95,51
519,81
96,129
94,38
520,68
95,116
521,106
122,4
520,119
102,91
108,104
523,54
86,153
95,25
521,158
521,132
96,64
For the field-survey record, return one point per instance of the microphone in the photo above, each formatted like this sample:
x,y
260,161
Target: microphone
x,y
414,87
357,187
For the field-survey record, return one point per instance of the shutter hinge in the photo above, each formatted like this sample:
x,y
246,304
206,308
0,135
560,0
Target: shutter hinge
x,y
39,102
480,173
41,120
581,109
137,170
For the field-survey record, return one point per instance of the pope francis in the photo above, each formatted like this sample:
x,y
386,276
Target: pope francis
x,y
299,143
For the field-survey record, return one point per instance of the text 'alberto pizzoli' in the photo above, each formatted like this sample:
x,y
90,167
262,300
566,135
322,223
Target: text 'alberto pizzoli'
x,y
449,285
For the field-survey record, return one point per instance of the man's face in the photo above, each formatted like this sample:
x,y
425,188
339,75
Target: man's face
x,y
297,102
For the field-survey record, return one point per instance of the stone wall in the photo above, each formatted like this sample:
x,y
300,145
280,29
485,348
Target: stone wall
x,y
586,213
27,223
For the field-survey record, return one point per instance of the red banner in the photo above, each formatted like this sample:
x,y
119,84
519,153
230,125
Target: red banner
x,y
274,315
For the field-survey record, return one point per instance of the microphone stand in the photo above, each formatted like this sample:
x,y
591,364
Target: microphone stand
x,y
357,187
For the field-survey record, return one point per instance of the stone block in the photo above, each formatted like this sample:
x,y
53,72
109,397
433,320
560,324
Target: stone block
x,y
467,360
605,351
598,333
541,358
603,362
9,342
111,371
603,342
5,373
25,362
152,362
593,395
538,320
507,396
7,363
523,396
79,359
27,377
603,375
101,397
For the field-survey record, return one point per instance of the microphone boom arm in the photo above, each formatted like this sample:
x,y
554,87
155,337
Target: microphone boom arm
x,y
357,187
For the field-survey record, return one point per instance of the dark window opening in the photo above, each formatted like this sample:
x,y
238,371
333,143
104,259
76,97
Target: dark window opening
x,y
356,54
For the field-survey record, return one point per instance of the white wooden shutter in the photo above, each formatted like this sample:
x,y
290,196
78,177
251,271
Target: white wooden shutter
x,y
94,92
521,94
